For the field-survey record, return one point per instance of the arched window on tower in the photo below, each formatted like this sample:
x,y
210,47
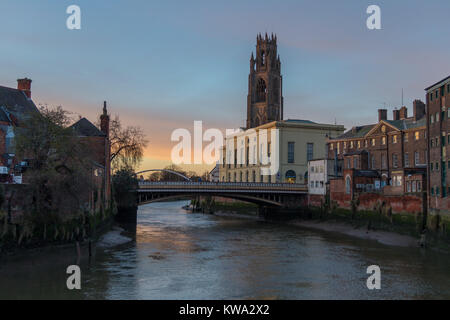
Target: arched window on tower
x,y
261,91
263,58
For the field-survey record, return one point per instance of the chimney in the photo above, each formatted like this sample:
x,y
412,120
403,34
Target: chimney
x,y
382,114
403,113
396,114
419,109
104,121
24,85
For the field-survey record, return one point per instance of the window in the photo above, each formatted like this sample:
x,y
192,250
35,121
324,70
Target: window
x,y
406,160
291,176
347,185
355,162
397,181
359,144
431,96
405,137
419,186
338,149
437,117
351,144
408,186
291,150
413,186
432,191
309,151
431,166
383,161
348,164
395,160
437,166
431,119
373,162
394,139
417,135
261,90
383,140
373,142
331,146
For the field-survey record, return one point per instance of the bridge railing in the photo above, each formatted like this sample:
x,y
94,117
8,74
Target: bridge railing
x,y
222,184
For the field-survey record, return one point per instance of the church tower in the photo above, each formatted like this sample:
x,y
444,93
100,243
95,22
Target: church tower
x,y
265,96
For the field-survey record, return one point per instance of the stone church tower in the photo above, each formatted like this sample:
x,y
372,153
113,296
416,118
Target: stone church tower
x,y
265,96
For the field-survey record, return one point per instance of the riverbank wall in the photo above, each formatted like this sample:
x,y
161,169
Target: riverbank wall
x,y
429,229
21,228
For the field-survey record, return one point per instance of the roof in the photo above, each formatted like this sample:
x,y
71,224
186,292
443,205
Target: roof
x,y
356,132
443,80
407,123
362,131
85,128
16,103
298,121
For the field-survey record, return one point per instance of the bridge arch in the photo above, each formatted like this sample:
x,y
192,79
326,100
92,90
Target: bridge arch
x,y
164,170
276,202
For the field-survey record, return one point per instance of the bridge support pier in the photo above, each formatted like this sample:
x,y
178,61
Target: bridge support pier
x,y
127,215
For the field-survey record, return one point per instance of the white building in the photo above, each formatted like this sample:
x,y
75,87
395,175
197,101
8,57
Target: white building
x,y
319,173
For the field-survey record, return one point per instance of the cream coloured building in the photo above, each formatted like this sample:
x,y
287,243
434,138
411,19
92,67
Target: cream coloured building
x,y
247,152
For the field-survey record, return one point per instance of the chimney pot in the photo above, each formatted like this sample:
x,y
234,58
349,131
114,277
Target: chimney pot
x,y
403,113
396,114
24,85
382,114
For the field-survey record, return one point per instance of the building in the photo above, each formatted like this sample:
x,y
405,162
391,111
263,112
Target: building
x,y
319,173
265,95
438,124
98,143
396,149
298,141
16,106
249,151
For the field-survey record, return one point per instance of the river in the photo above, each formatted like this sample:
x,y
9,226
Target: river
x,y
179,255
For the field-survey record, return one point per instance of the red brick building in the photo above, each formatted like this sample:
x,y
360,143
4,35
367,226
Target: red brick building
x,y
15,106
396,149
438,124
100,148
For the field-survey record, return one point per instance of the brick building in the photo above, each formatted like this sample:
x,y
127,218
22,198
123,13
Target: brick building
x,y
16,106
438,122
97,140
396,149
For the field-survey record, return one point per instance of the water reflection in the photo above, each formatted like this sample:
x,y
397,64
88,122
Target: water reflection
x,y
178,255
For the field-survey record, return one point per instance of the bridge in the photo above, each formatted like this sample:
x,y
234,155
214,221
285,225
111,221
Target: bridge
x,y
283,195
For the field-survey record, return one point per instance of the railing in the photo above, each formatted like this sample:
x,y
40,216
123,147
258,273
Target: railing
x,y
224,184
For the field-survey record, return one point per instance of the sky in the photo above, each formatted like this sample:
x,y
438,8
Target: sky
x,y
161,65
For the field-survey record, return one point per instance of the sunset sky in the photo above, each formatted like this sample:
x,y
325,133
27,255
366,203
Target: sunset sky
x,y
163,64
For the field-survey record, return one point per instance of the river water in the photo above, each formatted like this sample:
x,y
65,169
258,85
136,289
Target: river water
x,y
179,255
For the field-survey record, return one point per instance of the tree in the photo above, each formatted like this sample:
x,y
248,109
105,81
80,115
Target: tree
x,y
58,178
124,183
127,145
